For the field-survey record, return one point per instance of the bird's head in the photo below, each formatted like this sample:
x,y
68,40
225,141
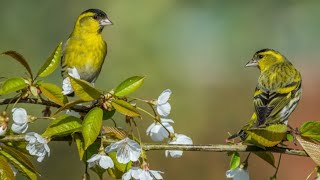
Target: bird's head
x,y
266,58
92,21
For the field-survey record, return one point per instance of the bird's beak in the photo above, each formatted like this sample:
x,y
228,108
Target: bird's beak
x,y
252,63
105,22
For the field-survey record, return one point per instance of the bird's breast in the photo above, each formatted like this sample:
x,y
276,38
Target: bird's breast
x,y
86,55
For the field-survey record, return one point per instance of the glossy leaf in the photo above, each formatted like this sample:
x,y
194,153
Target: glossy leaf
x,y
311,129
6,172
108,114
20,161
20,59
63,125
125,108
129,85
84,90
235,160
266,156
51,63
13,85
54,93
80,144
91,126
290,137
312,148
270,135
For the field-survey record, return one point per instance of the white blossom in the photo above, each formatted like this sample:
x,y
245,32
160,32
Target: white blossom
x,y
238,174
3,130
127,150
102,160
142,174
150,174
20,120
178,139
163,107
157,132
37,145
134,172
66,84
318,178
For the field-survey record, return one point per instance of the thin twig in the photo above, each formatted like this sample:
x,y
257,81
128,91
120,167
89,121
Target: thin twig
x,y
203,148
77,108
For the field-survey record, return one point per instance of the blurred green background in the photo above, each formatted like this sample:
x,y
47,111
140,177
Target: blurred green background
x,y
198,49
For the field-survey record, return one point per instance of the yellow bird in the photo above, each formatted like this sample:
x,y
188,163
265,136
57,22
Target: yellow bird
x,y
277,93
85,50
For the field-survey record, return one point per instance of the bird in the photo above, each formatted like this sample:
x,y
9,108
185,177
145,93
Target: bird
x,y
277,92
85,50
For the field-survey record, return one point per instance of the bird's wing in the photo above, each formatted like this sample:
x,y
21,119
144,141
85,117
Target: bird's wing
x,y
270,104
261,102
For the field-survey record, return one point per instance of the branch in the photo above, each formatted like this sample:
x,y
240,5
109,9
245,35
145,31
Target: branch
x,y
77,108
204,148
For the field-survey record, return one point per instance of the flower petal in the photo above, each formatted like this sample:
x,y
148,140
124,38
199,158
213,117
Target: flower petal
x,y
73,72
145,175
94,157
106,162
164,96
156,174
66,86
164,109
19,115
174,154
17,128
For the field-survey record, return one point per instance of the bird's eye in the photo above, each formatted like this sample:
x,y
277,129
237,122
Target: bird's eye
x,y
95,17
260,56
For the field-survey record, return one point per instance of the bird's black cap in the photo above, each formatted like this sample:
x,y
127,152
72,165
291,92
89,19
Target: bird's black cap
x,y
265,50
98,12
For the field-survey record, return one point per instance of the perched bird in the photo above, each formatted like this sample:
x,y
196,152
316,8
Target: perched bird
x,y
277,93
85,50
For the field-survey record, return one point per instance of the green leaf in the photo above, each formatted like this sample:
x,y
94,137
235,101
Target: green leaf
x,y
6,172
270,135
51,63
125,108
20,59
108,114
84,90
235,160
119,168
311,129
20,161
80,144
13,85
129,85
312,148
266,156
63,125
91,126
290,137
54,93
